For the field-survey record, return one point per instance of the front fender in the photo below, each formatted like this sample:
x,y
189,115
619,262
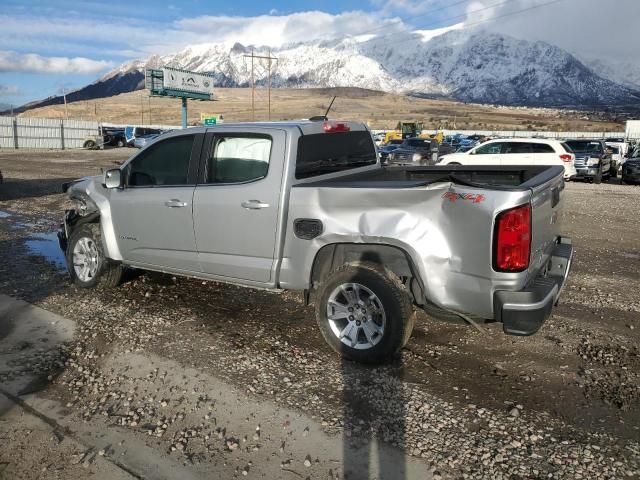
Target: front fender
x,y
92,191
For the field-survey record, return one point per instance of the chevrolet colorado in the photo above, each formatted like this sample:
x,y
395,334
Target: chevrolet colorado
x,y
307,206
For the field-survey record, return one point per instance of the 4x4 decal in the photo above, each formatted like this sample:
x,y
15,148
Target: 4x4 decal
x,y
472,197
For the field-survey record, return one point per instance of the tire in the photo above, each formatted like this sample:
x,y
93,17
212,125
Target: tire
x,y
120,143
613,172
86,241
598,178
390,312
454,163
89,145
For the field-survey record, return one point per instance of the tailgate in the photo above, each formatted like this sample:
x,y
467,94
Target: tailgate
x,y
546,215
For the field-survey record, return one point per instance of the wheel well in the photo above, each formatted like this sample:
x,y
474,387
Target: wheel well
x,y
331,257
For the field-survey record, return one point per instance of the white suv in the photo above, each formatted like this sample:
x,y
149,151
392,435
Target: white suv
x,y
516,151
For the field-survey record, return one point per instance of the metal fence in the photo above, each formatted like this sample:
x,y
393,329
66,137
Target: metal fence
x,y
29,132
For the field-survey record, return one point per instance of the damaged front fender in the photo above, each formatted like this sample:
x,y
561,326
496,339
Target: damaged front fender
x,y
72,220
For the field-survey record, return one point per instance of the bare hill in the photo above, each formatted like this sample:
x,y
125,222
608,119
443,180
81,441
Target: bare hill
x,y
380,110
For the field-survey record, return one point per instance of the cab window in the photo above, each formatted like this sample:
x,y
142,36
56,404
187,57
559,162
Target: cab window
x,y
165,163
238,159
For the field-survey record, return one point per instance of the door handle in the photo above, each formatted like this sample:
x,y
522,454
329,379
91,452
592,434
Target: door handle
x,y
254,205
175,203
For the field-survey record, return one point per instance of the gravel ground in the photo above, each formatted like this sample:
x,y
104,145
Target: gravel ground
x,y
564,403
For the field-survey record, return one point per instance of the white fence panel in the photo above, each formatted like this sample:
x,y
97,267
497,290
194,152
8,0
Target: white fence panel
x,y
6,132
39,133
45,132
75,131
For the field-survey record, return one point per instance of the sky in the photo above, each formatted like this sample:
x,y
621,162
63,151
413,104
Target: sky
x,y
47,47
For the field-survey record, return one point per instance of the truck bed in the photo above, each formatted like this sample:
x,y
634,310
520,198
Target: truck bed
x,y
510,178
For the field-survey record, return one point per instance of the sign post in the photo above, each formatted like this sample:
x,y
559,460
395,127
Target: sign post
x,y
172,82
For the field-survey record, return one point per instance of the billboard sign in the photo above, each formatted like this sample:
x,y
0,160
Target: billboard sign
x,y
187,81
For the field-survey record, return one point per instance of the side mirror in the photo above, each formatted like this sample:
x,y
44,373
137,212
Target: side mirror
x,y
112,178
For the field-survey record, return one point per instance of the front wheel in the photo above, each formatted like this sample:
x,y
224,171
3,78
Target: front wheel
x,y
598,178
87,264
364,312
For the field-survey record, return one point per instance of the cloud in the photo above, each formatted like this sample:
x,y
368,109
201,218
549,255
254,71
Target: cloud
x,y
412,7
588,28
8,90
34,63
278,30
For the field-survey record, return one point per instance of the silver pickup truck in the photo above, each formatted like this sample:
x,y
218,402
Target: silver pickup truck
x,y
307,206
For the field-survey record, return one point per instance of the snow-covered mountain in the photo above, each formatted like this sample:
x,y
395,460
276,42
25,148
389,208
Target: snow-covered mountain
x,y
472,66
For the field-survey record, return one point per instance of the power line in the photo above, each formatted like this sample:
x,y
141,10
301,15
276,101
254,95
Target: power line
x,y
412,30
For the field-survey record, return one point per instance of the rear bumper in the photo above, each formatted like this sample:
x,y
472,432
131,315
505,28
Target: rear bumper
x,y
524,312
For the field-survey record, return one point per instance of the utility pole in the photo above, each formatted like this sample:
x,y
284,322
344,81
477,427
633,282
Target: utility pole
x,y
64,97
141,109
269,59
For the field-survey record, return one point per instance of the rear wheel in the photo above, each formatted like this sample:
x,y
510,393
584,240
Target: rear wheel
x,y
120,143
87,264
89,144
364,312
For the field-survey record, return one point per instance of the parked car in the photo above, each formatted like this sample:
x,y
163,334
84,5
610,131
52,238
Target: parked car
x,y
630,172
379,137
516,151
621,143
418,151
617,159
307,206
593,162
114,137
131,133
144,140
387,148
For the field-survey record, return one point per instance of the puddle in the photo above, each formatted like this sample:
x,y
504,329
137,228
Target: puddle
x,y
4,214
46,245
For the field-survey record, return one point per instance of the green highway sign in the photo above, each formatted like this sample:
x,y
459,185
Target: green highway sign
x,y
210,121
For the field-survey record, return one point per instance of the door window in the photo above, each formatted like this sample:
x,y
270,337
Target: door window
x,y
517,147
238,159
489,149
165,163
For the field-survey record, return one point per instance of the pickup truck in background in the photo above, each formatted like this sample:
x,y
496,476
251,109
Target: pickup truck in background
x,y
593,162
307,206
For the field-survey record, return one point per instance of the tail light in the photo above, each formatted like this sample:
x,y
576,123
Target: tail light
x,y
565,157
332,126
512,240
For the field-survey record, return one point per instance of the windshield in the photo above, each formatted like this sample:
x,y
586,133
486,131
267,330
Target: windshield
x,y
418,142
323,153
584,146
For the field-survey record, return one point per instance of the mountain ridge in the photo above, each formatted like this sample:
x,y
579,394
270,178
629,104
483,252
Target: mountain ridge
x,y
475,67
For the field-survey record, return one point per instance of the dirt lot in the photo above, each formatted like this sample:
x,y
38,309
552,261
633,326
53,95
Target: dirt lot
x,y
198,377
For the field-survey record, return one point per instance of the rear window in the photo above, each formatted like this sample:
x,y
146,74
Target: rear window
x,y
566,147
323,153
542,148
585,146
